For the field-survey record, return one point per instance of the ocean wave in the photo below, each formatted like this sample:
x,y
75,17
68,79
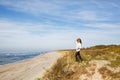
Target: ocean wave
x,y
6,58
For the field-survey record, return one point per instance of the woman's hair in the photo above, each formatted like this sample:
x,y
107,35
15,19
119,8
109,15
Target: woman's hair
x,y
79,40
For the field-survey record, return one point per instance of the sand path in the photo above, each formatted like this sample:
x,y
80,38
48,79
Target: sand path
x,y
30,68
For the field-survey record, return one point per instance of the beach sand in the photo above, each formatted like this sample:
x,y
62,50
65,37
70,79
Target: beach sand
x,y
29,69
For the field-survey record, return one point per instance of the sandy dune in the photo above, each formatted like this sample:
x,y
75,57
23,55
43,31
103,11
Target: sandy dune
x,y
28,69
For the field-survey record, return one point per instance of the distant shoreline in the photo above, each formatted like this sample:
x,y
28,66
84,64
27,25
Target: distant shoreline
x,y
21,60
15,58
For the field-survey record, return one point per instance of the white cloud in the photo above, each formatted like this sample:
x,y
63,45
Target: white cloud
x,y
16,35
103,25
106,4
117,5
56,9
92,15
21,36
31,6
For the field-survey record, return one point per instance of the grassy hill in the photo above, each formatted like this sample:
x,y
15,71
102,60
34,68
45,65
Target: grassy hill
x,y
101,62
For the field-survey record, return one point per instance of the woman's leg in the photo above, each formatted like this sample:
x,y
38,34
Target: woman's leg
x,y
76,56
80,57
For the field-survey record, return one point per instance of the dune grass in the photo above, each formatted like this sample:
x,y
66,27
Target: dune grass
x,y
66,68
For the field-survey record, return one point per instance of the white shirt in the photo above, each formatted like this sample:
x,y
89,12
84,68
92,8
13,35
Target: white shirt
x,y
78,46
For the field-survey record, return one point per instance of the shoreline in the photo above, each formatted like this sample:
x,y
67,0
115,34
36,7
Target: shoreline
x,y
38,54
22,60
29,69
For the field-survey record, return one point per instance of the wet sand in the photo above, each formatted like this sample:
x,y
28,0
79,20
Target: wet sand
x,y
29,69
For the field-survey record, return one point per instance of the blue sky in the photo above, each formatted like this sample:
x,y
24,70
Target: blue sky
x,y
55,24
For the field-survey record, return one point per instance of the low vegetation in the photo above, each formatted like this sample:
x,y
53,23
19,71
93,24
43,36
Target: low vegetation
x,y
66,68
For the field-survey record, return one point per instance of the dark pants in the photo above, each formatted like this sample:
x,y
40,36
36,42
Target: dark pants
x,y
78,56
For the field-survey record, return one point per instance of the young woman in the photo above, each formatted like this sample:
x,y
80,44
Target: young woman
x,y
78,47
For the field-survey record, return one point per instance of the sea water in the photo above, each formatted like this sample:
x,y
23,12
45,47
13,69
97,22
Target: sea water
x,y
6,58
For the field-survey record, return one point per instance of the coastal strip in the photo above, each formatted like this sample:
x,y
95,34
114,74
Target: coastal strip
x,y
30,68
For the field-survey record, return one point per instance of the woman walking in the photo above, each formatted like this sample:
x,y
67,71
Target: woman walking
x,y
78,47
